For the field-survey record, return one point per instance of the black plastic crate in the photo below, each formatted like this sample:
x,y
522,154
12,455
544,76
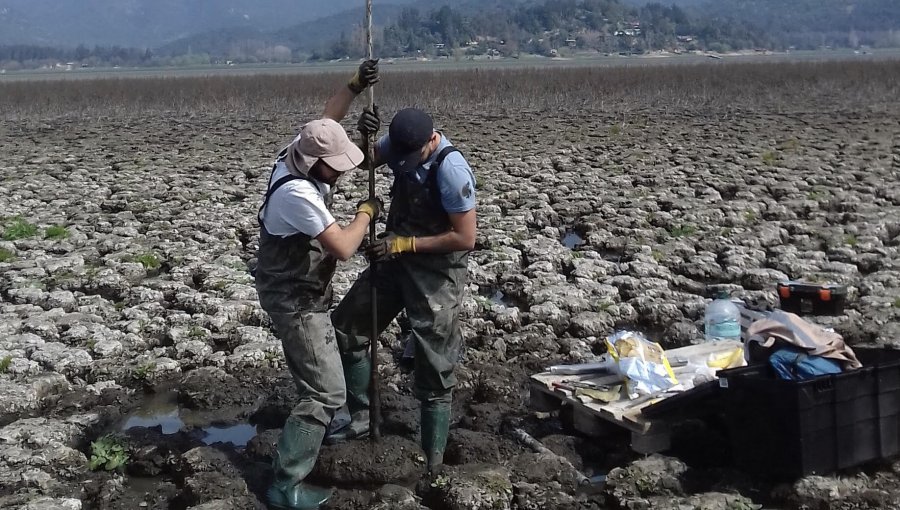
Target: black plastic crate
x,y
796,428
805,298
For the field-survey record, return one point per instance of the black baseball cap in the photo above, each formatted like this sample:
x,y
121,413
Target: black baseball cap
x,y
410,130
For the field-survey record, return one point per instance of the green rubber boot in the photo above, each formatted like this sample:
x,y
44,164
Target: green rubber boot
x,y
357,376
435,428
298,448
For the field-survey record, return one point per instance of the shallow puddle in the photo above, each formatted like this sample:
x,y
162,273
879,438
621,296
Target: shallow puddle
x,y
158,409
498,297
170,422
572,240
238,435
163,410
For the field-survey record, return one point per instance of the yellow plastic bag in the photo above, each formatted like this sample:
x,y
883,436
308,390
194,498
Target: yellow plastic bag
x,y
729,359
642,363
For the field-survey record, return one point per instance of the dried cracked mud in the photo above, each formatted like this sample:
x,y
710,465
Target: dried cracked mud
x,y
141,319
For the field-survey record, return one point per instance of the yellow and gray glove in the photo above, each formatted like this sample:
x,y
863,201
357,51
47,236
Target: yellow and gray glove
x,y
390,246
374,207
366,76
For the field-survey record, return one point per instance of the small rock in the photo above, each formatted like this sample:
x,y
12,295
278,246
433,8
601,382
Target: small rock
x,y
474,487
53,504
394,497
653,476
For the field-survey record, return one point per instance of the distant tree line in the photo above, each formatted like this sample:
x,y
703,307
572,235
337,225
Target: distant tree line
x,y
559,26
551,28
29,57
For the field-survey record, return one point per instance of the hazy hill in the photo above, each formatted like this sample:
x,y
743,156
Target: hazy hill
x,y
36,33
785,16
311,36
150,23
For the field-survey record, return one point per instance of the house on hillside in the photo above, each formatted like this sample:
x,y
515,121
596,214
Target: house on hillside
x,y
629,29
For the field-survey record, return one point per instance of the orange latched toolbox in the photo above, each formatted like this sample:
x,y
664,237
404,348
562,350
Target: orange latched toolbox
x,y
805,298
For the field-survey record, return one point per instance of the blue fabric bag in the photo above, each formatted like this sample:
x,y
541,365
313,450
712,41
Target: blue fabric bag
x,y
796,365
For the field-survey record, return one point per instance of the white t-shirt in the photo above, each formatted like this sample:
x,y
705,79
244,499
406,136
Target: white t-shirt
x,y
297,206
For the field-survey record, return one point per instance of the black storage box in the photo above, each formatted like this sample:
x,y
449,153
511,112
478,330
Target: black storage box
x,y
805,298
790,429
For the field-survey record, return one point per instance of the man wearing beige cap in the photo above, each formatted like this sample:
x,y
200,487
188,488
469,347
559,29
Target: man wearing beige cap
x,y
299,244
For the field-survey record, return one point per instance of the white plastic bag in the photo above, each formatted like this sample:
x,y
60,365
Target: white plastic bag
x,y
642,363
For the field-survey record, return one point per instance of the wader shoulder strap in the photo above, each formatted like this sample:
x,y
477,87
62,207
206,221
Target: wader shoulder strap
x,y
431,179
274,187
446,151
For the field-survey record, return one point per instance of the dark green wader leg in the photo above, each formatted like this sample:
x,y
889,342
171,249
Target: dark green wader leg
x,y
293,280
313,360
435,423
352,321
298,448
433,291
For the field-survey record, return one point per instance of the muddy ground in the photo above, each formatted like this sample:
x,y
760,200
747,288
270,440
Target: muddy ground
x,y
141,320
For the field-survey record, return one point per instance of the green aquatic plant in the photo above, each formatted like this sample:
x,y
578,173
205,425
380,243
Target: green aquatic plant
x,y
148,260
143,371
56,232
683,231
4,364
18,228
108,453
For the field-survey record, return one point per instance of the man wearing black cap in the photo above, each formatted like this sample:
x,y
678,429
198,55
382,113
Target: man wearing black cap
x,y
420,267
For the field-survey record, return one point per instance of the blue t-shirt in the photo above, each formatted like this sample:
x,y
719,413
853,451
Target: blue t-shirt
x,y
455,178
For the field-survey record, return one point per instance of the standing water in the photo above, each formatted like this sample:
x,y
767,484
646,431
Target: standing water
x,y
572,240
162,410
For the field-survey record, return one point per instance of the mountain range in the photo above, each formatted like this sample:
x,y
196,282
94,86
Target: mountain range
x,y
182,26
151,23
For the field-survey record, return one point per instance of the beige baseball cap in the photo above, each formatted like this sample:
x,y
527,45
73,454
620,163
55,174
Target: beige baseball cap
x,y
323,139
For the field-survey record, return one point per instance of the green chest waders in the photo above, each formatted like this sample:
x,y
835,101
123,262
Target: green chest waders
x,y
293,276
416,210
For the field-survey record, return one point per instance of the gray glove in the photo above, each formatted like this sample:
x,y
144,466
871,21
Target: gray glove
x,y
369,122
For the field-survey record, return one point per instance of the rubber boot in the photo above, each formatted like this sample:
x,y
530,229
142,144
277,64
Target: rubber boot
x,y
435,421
298,448
357,376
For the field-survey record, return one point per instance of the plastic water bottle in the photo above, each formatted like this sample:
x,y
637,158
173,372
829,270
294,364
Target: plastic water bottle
x,y
722,320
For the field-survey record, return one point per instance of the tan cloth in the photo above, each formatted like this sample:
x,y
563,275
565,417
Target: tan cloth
x,y
790,328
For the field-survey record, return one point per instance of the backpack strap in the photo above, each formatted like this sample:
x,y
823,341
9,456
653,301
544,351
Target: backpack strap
x,y
431,179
